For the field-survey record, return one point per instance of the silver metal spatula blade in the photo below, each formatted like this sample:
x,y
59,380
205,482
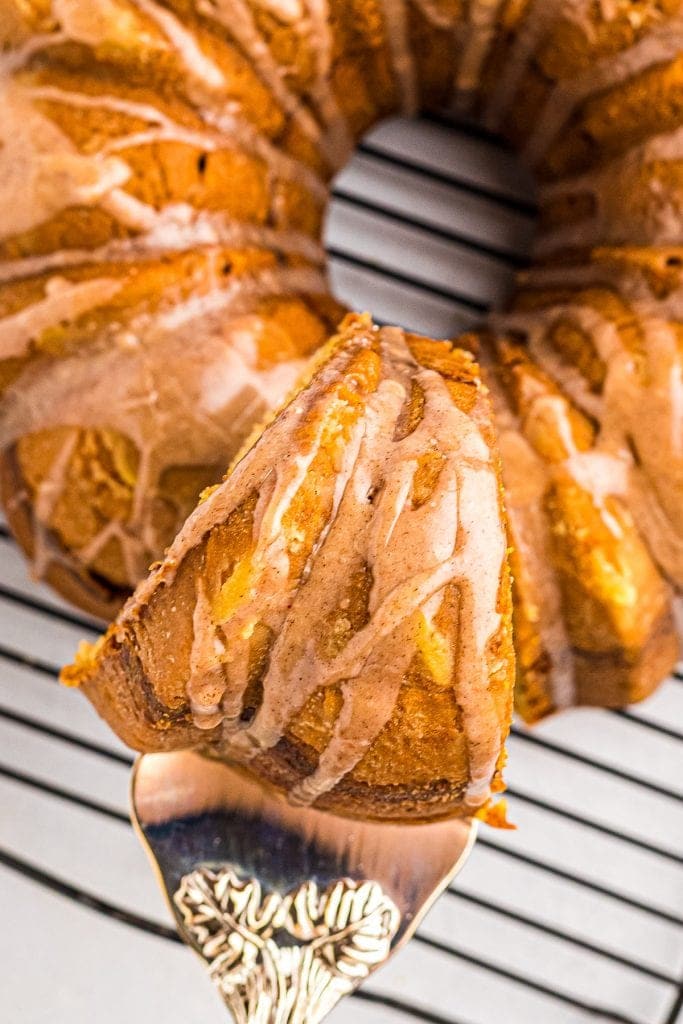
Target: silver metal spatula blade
x,y
290,908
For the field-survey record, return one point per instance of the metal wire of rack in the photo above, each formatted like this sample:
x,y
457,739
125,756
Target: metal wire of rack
x,y
575,917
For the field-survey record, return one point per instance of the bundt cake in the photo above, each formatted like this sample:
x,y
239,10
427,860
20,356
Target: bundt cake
x,y
336,614
164,171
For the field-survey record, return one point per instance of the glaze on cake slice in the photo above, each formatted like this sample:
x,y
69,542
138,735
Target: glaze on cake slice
x,y
336,614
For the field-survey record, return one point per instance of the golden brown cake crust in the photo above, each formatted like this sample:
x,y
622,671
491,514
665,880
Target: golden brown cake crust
x,y
66,575
313,620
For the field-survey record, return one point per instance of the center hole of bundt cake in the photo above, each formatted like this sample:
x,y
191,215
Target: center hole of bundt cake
x,y
428,224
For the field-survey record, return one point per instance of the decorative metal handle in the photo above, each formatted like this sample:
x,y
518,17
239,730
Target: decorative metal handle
x,y
290,908
285,959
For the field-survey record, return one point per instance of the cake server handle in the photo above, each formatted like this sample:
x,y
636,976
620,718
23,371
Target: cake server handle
x,y
290,909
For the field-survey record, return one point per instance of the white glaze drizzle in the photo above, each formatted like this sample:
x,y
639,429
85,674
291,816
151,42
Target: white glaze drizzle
x,y
102,22
526,478
64,302
278,162
130,108
479,36
455,537
662,43
436,15
412,554
652,490
186,418
40,170
47,495
214,86
235,16
197,64
536,21
403,62
45,174
339,142
174,228
629,208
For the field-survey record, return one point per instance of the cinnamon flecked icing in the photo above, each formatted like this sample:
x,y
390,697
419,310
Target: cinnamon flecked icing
x,y
354,558
164,171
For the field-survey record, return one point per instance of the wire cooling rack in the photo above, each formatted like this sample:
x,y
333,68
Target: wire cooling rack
x,y
575,917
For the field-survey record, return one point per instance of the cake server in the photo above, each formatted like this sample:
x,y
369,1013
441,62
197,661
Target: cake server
x,y
289,908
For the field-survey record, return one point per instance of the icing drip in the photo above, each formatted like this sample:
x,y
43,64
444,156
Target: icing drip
x,y
526,478
538,18
651,487
280,163
174,228
455,538
43,174
40,171
165,129
288,11
663,43
481,29
196,63
651,213
210,104
237,18
100,22
396,21
437,14
47,496
206,683
207,406
63,302
339,141
14,60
